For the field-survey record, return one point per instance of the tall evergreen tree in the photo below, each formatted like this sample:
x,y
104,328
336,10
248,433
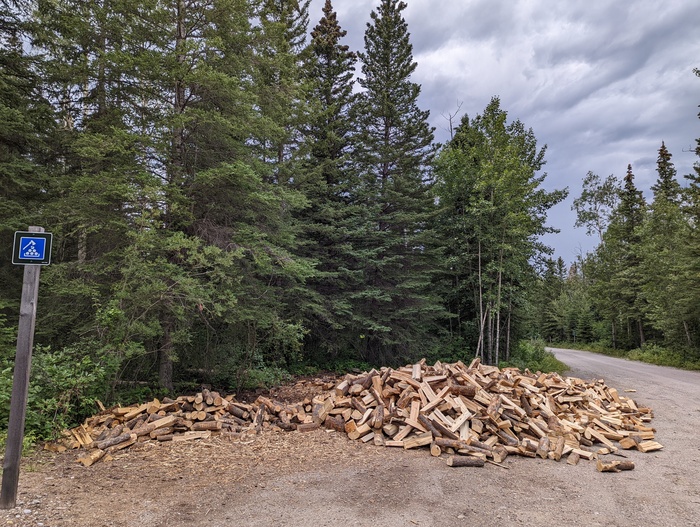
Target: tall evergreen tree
x,y
666,188
96,176
280,49
618,273
394,309
328,179
26,121
549,286
663,238
166,213
227,214
691,248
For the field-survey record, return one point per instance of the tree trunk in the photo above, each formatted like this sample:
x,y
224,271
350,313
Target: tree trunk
x,y
482,315
489,334
165,358
497,350
82,245
179,101
687,334
510,312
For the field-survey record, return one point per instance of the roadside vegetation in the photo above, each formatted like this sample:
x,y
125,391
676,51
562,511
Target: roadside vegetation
x,y
531,354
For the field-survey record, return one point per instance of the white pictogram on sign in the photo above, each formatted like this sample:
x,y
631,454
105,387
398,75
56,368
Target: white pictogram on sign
x,y
29,250
32,248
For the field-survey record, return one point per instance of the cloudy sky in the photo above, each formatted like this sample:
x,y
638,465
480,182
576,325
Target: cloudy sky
x,y
600,82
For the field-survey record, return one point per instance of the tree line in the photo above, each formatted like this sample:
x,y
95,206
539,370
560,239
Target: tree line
x,y
638,289
233,191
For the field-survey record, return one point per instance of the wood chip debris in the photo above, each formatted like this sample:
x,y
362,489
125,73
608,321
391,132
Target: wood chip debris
x,y
477,411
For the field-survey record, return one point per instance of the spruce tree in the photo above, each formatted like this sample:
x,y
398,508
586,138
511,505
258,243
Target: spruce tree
x,y
328,179
691,248
278,77
26,121
622,244
663,240
165,212
666,188
394,310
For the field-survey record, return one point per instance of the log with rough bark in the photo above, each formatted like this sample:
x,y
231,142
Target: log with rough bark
x,y
465,461
124,444
613,466
91,457
107,443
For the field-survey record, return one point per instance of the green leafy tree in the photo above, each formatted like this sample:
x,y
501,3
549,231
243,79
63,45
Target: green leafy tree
x,y
549,286
570,314
596,204
492,212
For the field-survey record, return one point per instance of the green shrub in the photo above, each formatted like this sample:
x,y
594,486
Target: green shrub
x,y
304,368
266,377
347,365
532,355
655,354
244,369
452,350
63,389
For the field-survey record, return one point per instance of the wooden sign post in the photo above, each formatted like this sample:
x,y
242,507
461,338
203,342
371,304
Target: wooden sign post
x,y
35,253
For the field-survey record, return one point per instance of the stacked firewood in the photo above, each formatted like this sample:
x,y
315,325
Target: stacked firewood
x,y
476,413
487,413
186,418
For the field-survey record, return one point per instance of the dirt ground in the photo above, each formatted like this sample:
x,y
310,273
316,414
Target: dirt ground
x,y
321,478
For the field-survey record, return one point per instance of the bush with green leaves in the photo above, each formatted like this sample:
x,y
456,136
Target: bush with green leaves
x,y
655,354
451,350
243,368
63,389
532,355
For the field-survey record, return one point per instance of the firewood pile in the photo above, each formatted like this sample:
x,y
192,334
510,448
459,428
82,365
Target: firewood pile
x,y
476,414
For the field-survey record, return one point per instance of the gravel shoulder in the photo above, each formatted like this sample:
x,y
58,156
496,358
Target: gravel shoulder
x,y
321,478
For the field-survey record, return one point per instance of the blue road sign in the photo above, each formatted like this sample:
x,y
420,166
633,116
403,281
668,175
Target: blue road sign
x,y
32,248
